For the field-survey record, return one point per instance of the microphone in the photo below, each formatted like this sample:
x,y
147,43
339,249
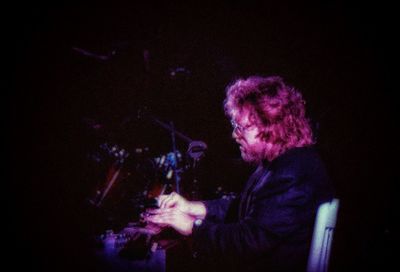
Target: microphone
x,y
196,149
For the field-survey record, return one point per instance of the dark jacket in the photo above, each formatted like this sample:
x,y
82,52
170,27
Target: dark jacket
x,y
274,217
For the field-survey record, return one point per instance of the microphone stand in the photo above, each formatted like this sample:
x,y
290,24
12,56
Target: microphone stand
x,y
177,176
195,148
171,129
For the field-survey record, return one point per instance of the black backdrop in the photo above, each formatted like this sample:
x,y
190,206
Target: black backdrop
x,y
74,63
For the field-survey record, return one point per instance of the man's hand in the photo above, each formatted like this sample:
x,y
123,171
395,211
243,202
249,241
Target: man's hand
x,y
192,208
172,217
173,200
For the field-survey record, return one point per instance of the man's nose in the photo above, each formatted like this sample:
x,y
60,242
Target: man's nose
x,y
235,134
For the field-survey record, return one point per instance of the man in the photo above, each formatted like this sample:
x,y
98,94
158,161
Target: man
x,y
276,209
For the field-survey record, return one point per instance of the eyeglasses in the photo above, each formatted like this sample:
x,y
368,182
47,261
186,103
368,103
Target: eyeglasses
x,y
239,128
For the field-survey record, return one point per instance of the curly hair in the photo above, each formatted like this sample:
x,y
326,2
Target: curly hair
x,y
276,108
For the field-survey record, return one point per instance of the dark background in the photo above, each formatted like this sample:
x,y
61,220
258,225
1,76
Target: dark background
x,y
339,54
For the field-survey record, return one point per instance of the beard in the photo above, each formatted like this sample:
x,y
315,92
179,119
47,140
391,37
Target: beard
x,y
249,155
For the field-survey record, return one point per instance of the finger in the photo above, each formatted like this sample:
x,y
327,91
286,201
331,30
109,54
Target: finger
x,y
172,201
168,202
164,203
163,200
160,199
159,211
148,212
169,217
162,220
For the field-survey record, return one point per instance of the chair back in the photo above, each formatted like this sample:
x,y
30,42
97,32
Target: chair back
x,y
324,226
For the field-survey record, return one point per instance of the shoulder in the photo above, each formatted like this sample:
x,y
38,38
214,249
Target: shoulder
x,y
298,167
297,160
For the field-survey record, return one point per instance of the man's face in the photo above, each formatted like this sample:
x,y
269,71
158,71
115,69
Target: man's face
x,y
247,135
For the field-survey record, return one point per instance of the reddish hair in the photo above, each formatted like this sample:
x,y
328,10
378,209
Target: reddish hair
x,y
275,107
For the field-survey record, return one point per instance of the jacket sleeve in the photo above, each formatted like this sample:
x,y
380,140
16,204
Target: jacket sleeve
x,y
276,211
217,209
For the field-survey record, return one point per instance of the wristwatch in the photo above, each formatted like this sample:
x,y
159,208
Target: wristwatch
x,y
197,222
